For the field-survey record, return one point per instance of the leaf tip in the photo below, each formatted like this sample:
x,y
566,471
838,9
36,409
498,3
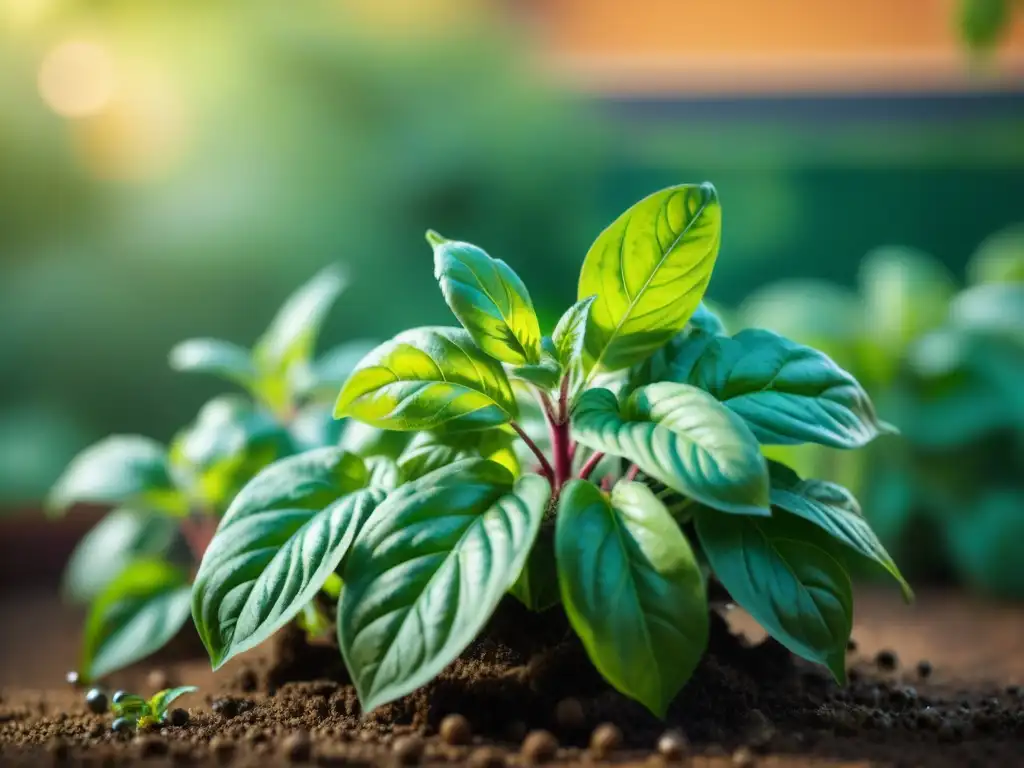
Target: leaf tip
x,y
709,193
435,239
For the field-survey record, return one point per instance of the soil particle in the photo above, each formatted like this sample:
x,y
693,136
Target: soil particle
x,y
178,717
455,729
886,660
158,680
539,747
924,669
570,715
744,758
147,746
605,739
486,757
408,749
673,745
297,747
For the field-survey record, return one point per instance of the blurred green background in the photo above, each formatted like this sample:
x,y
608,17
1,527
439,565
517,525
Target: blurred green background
x,y
169,171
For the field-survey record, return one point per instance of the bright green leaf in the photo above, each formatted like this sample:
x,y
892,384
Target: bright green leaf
x,y
632,589
123,469
790,582
230,441
220,358
161,701
1000,258
283,536
649,270
570,334
121,536
833,509
683,437
427,571
292,334
428,378
489,299
546,374
787,393
137,614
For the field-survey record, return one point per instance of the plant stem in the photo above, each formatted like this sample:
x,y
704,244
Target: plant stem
x,y
198,531
632,472
560,446
592,462
545,465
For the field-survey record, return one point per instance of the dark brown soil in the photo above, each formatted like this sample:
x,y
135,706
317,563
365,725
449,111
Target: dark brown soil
x,y
749,700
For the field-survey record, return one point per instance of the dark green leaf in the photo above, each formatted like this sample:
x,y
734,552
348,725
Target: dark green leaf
x,y
428,378
283,536
537,586
649,270
120,537
137,614
366,441
683,437
788,393
792,583
489,299
704,319
123,469
220,358
546,374
384,473
833,509
632,589
427,571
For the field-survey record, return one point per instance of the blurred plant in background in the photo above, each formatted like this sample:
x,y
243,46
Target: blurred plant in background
x,y
946,366
982,23
134,568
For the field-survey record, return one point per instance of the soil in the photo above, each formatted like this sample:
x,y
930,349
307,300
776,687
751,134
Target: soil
x,y
749,703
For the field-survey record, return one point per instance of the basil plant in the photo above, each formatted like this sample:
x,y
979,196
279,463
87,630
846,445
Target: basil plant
x,y
612,468
134,568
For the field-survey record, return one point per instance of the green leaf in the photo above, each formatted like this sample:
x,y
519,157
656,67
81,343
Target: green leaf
x,y
314,426
137,614
121,536
366,441
683,437
292,334
427,378
1000,258
833,509
792,583
632,589
489,299
993,308
428,452
546,374
131,705
161,701
324,377
427,571
220,358
384,473
283,536
649,270
706,320
787,393
537,585
230,441
123,469
570,333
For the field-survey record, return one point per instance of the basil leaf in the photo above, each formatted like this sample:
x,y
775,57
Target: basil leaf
x,y
427,571
283,536
632,589
537,585
546,374
489,299
993,308
292,333
161,701
137,614
324,377
649,270
683,437
570,333
220,358
787,393
123,469
425,379
792,583
121,536
833,509
384,473
314,426
366,441
230,441
706,320
426,453
999,258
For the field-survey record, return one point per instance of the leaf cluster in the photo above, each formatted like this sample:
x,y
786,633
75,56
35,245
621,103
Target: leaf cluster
x,y
609,470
